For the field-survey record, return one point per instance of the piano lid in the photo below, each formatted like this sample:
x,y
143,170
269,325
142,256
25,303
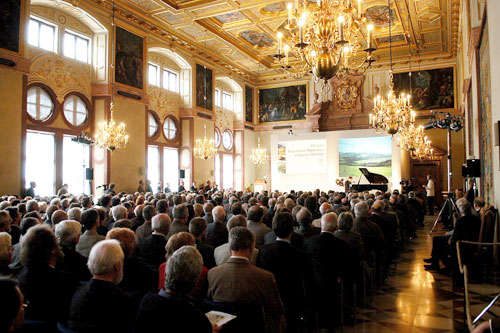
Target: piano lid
x,y
374,178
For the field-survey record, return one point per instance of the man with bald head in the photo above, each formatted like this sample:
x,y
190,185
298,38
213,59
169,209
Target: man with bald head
x,y
330,257
216,231
58,216
254,216
323,209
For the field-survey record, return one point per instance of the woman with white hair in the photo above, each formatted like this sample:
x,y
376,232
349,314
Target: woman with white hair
x,y
68,234
5,254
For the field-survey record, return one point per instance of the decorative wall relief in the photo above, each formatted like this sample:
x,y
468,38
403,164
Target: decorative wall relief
x,y
61,74
346,95
163,102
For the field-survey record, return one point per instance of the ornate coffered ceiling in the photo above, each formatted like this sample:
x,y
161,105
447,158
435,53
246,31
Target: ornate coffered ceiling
x,y
241,34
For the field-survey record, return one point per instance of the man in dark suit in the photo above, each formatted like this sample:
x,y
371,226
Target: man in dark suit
x,y
217,231
100,305
304,219
198,228
239,282
207,209
90,220
138,220
153,247
373,239
292,269
179,224
30,191
330,257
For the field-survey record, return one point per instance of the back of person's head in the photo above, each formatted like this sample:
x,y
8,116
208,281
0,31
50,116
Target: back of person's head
x,y
180,212
123,223
58,216
255,213
236,208
68,232
304,217
325,208
148,212
161,223
199,199
13,212
378,206
177,241
361,209
311,204
90,218
197,226
198,210
5,248
329,222
11,306
32,205
219,214
464,206
126,237
38,245
241,239
5,220
27,223
119,212
236,221
177,199
283,224
105,200
75,214
479,202
207,208
183,270
104,257
345,221
162,206
289,203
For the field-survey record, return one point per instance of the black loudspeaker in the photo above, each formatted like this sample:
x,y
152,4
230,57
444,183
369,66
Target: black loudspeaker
x,y
474,168
182,173
465,171
89,173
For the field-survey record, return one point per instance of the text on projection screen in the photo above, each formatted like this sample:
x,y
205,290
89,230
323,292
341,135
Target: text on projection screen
x,y
305,156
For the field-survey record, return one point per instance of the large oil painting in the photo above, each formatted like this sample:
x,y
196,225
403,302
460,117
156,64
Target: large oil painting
x,y
10,17
204,87
485,135
283,103
129,59
430,89
248,104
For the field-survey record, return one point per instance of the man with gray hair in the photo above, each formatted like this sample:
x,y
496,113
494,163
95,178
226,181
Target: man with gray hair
x,y
32,206
222,252
100,306
68,234
304,219
172,305
180,223
145,229
323,209
373,239
153,246
75,214
239,282
216,231
255,216
118,213
57,217
330,256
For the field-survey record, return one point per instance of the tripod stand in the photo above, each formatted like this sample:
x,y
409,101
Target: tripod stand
x,y
449,206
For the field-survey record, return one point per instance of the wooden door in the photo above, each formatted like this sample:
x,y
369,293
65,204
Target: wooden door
x,y
420,170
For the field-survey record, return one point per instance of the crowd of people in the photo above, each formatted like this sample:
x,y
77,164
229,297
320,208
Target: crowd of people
x,y
138,262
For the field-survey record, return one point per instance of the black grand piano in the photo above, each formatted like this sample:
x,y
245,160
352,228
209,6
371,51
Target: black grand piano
x,y
377,182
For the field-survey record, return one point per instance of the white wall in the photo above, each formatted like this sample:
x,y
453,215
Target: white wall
x,y
326,181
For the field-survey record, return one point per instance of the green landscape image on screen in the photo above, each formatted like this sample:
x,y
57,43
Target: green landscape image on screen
x,y
373,153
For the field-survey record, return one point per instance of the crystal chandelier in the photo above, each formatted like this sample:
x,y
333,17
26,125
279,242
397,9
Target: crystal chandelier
x,y
394,113
259,155
204,148
414,141
325,38
111,135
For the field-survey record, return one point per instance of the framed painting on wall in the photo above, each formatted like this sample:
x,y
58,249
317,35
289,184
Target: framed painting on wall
x,y
470,122
283,103
204,87
432,89
129,58
10,18
248,104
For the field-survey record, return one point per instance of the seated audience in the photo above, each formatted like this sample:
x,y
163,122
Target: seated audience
x,y
217,231
90,220
5,254
198,228
100,306
255,216
153,247
222,253
68,234
345,221
11,306
145,229
180,222
304,219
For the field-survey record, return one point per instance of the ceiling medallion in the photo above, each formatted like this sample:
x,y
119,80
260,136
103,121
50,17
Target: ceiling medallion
x,y
326,39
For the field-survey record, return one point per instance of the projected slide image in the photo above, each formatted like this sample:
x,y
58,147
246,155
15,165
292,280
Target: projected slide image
x,y
374,153
302,156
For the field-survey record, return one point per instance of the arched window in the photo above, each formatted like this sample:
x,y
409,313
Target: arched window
x,y
217,137
170,128
75,110
40,105
152,125
227,140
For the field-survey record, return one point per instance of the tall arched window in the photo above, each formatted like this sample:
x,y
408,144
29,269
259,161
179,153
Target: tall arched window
x,y
40,105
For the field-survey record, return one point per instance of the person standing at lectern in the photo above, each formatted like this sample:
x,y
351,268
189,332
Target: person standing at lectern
x,y
430,194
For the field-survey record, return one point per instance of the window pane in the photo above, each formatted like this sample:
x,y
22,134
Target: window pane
x,y
46,37
227,140
154,165
228,101
33,33
217,97
173,81
39,105
170,168
82,49
76,158
75,111
217,138
153,75
227,168
153,125
217,170
170,129
40,162
69,45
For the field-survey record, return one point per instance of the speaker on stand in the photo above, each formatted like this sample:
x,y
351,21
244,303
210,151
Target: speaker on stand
x,y
89,175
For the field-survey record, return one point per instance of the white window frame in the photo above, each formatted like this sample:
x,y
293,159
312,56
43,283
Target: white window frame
x,y
168,129
217,97
74,111
37,104
158,67
224,104
46,23
78,36
166,72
